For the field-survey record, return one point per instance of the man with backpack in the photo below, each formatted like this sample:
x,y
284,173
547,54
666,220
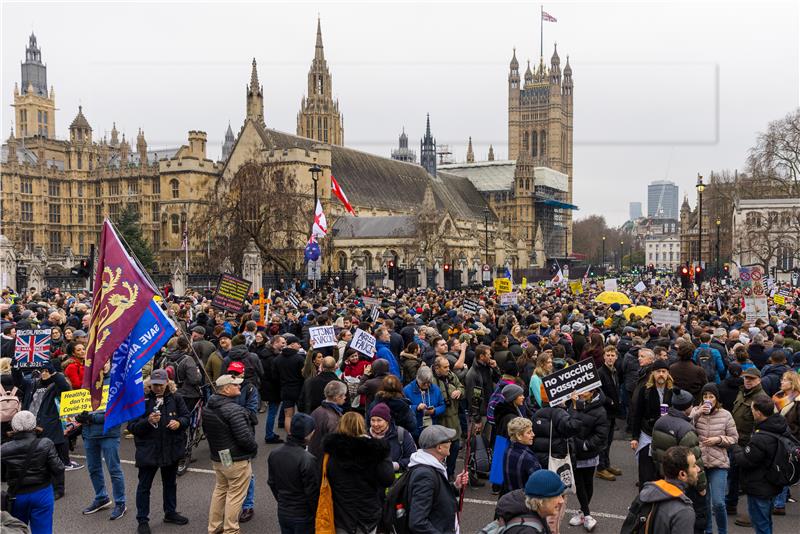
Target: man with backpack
x,y
709,359
185,372
526,511
662,506
765,462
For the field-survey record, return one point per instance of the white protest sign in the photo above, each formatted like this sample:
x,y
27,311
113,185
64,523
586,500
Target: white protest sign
x,y
322,336
756,308
508,299
640,287
363,343
610,284
370,302
670,317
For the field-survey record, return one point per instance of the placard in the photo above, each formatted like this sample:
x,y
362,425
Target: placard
x,y
610,284
670,317
32,348
780,300
370,302
502,285
363,343
293,300
508,299
231,293
471,306
322,336
576,287
76,401
756,308
524,284
640,287
573,379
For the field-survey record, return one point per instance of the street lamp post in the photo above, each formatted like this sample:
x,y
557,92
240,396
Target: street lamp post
x,y
486,233
604,252
621,255
700,188
719,222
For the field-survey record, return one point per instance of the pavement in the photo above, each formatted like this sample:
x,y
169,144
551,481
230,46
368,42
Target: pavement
x,y
609,504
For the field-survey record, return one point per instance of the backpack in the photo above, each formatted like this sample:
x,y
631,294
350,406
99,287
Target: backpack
x,y
499,526
480,457
494,400
785,469
397,499
706,360
640,518
9,404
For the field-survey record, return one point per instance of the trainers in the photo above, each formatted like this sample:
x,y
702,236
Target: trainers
x,y
273,439
743,521
97,505
246,515
143,528
576,520
589,523
616,471
175,518
73,466
605,474
118,511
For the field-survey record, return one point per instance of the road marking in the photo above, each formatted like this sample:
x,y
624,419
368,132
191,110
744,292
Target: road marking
x,y
192,469
594,514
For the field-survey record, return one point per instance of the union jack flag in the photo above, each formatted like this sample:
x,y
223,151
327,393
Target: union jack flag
x,y
32,348
548,17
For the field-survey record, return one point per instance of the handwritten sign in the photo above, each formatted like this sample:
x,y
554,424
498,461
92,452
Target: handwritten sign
x,y
670,317
610,284
371,302
576,287
640,287
508,299
231,292
756,308
502,285
363,343
322,336
780,300
78,400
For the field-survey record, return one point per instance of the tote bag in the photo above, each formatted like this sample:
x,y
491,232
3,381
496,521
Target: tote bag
x,y
560,466
499,452
324,521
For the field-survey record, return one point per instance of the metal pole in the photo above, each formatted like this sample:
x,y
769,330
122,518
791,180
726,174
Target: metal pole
x,y
700,230
486,236
717,268
604,252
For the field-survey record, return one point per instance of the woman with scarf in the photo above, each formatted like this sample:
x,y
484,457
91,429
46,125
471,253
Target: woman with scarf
x,y
786,402
401,443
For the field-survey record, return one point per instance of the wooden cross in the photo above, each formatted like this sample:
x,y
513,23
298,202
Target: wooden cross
x,y
261,301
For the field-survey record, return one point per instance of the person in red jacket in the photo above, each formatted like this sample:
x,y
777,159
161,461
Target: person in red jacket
x,y
75,364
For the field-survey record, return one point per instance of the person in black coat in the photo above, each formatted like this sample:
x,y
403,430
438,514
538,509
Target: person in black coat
x,y
563,426
609,385
160,439
314,387
294,478
391,394
288,366
271,384
730,386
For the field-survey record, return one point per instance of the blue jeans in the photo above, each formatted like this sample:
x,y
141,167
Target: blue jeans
x,y
296,525
760,514
715,497
780,499
272,412
96,450
732,499
36,508
251,492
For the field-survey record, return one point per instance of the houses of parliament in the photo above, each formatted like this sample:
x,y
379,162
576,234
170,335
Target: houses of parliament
x,y
57,191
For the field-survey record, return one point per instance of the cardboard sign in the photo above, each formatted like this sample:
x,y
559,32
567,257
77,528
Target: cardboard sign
x,y
32,348
471,306
76,401
524,284
508,299
576,287
780,300
756,308
640,287
293,300
502,285
573,379
670,317
370,302
363,343
231,293
610,284
322,336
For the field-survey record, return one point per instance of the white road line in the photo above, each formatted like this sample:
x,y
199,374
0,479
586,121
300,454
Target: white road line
x,y
131,462
594,514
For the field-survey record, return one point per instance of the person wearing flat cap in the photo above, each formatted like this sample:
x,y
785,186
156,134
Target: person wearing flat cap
x,y
433,500
743,417
646,409
532,509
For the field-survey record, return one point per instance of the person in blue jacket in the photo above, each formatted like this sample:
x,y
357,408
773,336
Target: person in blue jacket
x,y
426,398
384,351
705,339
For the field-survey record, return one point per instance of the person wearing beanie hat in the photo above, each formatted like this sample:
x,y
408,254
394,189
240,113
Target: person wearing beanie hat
x,y
717,432
649,398
400,440
541,498
38,459
685,373
293,477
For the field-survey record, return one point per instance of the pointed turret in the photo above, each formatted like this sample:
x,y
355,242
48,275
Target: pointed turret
x,y
528,74
227,146
402,153
319,51
555,66
12,147
141,147
491,153
514,63
427,149
124,150
567,85
114,135
470,153
80,131
403,139
255,97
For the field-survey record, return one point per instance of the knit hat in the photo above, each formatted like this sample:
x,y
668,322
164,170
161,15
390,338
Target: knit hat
x,y
615,306
681,399
511,392
302,425
577,327
544,483
660,364
734,369
23,421
712,388
382,410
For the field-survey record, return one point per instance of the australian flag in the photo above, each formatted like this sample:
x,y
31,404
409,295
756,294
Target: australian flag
x,y
126,388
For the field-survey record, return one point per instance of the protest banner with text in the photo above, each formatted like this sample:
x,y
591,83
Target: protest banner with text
x,y
670,317
231,293
573,379
363,343
32,348
322,336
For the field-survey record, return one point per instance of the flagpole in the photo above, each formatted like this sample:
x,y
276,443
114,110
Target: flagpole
x,y
541,31
130,252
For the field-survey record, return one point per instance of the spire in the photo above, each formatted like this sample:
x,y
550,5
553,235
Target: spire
x,y
403,138
428,126
227,146
470,153
567,86
427,149
514,63
114,135
555,60
319,52
12,147
255,97
528,73
254,87
491,153
229,133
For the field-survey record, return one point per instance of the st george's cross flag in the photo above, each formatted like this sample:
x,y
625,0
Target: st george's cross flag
x,y
341,196
320,227
548,17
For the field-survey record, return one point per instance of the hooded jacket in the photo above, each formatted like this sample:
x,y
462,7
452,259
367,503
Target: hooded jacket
x,y
447,385
288,366
384,351
593,427
294,479
432,499
253,371
755,458
743,415
401,410
160,446
187,374
410,364
674,513
675,428
564,427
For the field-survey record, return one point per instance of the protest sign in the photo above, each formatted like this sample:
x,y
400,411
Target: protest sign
x,y
231,292
293,300
370,302
76,401
610,284
640,287
322,336
502,285
573,379
471,306
524,284
670,317
363,343
756,308
508,299
576,287
32,348
374,313
780,300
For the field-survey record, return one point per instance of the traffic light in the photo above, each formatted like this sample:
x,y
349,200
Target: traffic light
x,y
726,268
698,275
83,269
686,280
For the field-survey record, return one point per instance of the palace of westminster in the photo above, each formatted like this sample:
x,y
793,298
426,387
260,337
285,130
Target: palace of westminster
x,y
55,192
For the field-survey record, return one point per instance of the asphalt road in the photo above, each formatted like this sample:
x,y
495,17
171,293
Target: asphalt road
x,y
609,504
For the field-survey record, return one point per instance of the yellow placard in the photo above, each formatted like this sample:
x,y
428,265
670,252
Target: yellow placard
x,y
576,287
78,400
780,300
502,285
524,283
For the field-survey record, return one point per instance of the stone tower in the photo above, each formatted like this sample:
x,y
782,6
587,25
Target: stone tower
x,y
402,152
255,97
227,146
470,153
319,116
427,150
80,139
34,108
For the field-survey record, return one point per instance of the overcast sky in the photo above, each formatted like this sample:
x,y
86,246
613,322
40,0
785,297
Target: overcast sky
x,y
663,90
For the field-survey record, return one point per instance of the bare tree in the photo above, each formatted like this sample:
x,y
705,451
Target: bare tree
x,y
776,155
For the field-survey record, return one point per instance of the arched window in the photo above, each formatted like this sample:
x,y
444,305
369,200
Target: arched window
x,y
534,143
543,144
785,257
367,260
342,261
173,184
525,141
176,224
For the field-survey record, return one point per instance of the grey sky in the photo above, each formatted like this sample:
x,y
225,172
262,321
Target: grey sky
x,y
649,76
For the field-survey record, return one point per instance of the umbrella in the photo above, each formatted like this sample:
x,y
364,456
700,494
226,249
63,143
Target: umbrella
x,y
610,297
640,311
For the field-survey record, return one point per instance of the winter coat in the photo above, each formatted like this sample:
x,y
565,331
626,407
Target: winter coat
x,y
289,368
432,398
410,364
646,408
676,428
46,393
187,375
229,426
447,385
742,414
43,467
313,394
370,386
718,423
564,427
519,462
729,390
674,513
214,366
253,371
432,499
270,383
204,349
326,420
400,452
755,459
74,372
791,412
358,470
630,369
771,377
293,479
758,355
401,410
385,352
511,506
480,376
593,427
689,376
504,412
609,384
159,447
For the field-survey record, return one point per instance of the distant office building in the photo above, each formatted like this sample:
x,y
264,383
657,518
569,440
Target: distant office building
x,y
662,200
635,210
